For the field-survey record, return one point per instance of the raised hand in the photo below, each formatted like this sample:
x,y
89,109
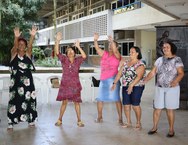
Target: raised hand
x,y
17,32
110,39
77,43
33,31
96,36
59,36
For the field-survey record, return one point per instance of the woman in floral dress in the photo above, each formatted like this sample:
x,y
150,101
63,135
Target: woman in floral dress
x,y
22,103
70,88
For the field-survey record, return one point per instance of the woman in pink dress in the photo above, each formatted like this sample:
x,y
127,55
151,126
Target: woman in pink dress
x,y
70,87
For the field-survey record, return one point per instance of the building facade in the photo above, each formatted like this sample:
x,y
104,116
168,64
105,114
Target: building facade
x,y
130,22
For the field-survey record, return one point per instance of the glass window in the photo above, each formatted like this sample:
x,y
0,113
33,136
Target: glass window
x,y
131,44
126,2
102,8
125,48
94,11
119,3
113,6
92,50
81,15
132,1
99,9
65,20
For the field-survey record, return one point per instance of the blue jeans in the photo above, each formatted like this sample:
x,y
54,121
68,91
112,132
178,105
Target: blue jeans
x,y
134,98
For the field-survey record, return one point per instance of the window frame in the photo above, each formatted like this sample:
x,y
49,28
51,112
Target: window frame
x,y
130,44
92,51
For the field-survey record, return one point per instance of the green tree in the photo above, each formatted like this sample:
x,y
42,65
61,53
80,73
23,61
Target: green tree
x,y
22,13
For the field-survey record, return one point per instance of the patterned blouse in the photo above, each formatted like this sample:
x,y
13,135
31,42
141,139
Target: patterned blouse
x,y
167,70
129,74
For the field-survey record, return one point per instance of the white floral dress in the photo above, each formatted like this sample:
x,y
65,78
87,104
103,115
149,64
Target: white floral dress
x,y
22,98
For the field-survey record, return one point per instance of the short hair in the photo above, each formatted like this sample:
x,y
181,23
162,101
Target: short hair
x,y
23,39
72,47
173,47
137,49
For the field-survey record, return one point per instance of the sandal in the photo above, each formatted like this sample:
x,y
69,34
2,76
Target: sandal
x,y
31,124
138,126
127,125
120,122
10,128
58,123
80,124
170,134
98,120
151,132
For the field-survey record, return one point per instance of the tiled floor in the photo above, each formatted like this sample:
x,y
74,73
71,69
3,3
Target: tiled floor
x,y
106,133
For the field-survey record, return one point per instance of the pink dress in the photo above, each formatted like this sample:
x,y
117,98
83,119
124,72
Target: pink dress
x,y
70,87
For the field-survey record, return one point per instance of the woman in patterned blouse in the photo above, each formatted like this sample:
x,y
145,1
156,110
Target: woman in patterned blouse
x,y
132,73
169,72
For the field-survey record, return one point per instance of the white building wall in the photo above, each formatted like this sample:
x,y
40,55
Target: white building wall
x,y
139,17
82,29
105,23
148,47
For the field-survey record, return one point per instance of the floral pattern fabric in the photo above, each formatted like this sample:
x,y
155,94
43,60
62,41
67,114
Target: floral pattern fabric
x,y
22,98
129,74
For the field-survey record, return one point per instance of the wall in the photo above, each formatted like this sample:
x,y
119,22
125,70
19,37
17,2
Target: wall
x,y
139,17
148,47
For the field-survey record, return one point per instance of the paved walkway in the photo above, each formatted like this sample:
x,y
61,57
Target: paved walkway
x,y
107,133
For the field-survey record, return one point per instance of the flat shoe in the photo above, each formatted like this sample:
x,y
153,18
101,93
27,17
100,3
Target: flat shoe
x,y
138,126
151,132
170,135
31,124
10,128
80,124
120,122
126,125
58,123
98,120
